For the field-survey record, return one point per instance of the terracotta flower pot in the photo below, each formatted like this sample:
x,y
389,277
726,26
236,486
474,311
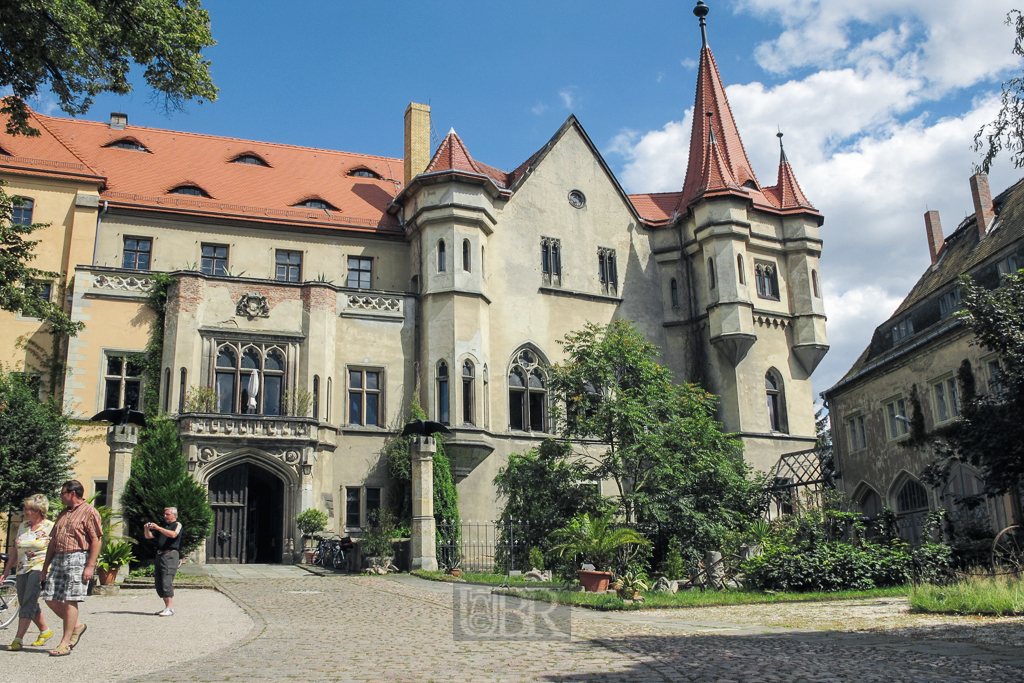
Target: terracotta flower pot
x,y
107,576
309,555
455,572
594,582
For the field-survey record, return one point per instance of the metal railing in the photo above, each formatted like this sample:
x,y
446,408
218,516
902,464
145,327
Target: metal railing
x,y
486,545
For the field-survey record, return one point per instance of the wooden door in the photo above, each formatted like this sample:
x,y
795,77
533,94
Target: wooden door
x,y
229,494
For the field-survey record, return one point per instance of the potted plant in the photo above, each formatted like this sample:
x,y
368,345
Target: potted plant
x,y
629,585
595,540
376,544
310,522
112,557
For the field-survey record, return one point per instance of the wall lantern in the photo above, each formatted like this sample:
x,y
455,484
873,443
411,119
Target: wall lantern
x,y
192,463
307,466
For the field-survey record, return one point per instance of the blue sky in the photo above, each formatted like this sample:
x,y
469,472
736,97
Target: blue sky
x,y
879,100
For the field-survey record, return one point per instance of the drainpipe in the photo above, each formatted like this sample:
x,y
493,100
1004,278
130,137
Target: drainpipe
x,y
96,242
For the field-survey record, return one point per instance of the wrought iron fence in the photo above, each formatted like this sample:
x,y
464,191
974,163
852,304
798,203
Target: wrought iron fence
x,y
487,545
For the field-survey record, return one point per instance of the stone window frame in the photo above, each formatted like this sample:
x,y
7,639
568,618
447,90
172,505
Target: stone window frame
x,y
442,256
895,430
288,265
527,368
122,378
363,505
264,348
608,270
467,256
766,275
946,398
551,261
443,391
467,396
364,392
854,428
775,401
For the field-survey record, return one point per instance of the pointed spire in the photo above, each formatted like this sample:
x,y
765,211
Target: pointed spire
x,y
787,191
711,98
701,11
452,154
717,175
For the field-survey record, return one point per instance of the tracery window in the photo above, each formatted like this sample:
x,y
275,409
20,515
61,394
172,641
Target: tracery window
x,y
911,498
767,280
250,379
607,270
527,394
551,261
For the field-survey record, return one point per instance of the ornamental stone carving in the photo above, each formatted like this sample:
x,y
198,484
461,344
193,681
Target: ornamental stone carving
x,y
207,454
253,305
375,303
121,283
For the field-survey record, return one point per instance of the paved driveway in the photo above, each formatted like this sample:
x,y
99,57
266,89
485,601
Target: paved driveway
x,y
398,629
401,629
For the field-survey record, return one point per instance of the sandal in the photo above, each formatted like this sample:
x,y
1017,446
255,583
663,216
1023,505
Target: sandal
x,y
61,651
76,635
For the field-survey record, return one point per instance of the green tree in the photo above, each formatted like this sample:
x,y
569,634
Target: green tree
x,y
990,432
35,442
21,286
159,479
1006,131
81,48
660,442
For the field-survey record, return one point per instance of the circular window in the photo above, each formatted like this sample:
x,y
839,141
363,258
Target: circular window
x,y
577,199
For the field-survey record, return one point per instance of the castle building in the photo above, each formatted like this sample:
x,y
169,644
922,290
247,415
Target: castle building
x,y
316,292
911,367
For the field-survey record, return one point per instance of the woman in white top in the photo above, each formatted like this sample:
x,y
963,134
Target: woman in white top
x,y
29,553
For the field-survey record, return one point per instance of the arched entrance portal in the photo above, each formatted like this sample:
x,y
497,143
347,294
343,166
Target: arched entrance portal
x,y
248,516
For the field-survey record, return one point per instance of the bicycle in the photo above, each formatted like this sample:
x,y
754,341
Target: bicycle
x,y
331,552
8,599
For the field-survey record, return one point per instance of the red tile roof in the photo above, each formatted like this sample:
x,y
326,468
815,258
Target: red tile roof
x,y
658,208
267,194
452,155
786,193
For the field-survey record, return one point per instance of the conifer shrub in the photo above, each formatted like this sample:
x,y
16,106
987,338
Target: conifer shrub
x,y
160,479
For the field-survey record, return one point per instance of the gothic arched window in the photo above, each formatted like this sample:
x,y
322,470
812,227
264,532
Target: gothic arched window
x,y
911,498
674,289
466,258
775,395
441,266
814,284
740,270
767,281
443,395
527,393
711,273
468,377
253,386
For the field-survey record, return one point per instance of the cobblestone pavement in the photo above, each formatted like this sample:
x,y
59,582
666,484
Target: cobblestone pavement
x,y
399,629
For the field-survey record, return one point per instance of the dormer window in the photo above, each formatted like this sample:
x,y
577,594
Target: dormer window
x,y
902,330
751,184
190,190
364,173
315,204
129,144
949,302
250,160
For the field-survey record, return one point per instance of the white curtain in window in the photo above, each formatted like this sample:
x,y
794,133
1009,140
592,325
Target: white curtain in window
x,y
254,389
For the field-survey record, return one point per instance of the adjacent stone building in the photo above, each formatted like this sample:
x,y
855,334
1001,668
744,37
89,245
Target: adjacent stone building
x,y
920,347
316,292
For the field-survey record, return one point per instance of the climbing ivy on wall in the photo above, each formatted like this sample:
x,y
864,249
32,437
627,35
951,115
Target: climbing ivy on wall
x,y
151,359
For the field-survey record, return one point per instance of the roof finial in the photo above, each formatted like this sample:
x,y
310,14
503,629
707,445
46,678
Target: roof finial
x,y
701,11
782,150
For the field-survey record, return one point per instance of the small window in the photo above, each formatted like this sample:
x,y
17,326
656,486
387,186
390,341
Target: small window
x,y
468,379
44,290
363,173
123,383
767,281
353,505
289,266
364,397
99,492
902,330
330,397
129,144
1010,265
315,204
182,389
551,261
607,270
896,418
949,302
215,259
814,284
995,377
441,265
316,397
947,399
190,190
137,253
711,273
360,272
443,395
167,390
858,436
466,259
776,401
249,160
21,211
674,291
741,271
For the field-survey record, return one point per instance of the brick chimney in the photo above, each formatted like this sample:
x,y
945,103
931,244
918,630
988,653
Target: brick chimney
x,y
933,227
983,210
417,140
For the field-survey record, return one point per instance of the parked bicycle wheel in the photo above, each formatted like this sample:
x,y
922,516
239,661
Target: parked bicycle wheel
x,y
338,556
8,603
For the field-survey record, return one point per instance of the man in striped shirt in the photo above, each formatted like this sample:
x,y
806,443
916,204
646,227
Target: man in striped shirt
x,y
70,562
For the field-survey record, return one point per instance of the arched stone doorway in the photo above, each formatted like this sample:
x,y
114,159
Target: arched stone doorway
x,y
248,504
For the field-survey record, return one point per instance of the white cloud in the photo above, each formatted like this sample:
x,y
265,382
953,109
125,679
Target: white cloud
x,y
568,96
689,63
539,108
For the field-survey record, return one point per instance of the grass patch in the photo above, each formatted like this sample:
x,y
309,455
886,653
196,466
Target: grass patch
x,y
685,599
489,579
979,594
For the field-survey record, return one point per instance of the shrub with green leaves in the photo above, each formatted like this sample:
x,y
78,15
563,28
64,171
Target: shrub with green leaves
x,y
830,566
